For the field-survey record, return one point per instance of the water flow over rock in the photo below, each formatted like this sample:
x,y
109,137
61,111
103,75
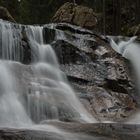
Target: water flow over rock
x,y
39,96
49,96
12,112
10,41
56,99
130,49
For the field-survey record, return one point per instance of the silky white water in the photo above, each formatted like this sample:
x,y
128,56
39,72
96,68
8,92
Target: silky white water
x,y
130,49
51,97
47,95
10,41
58,96
12,112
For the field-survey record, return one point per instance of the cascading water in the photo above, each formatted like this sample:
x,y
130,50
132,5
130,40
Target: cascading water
x,y
59,99
38,96
10,41
130,49
50,96
12,113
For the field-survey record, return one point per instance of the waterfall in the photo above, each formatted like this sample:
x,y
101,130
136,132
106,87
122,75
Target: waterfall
x,y
129,49
12,113
47,94
10,41
59,98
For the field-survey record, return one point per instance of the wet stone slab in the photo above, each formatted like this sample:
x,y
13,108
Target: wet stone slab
x,y
76,131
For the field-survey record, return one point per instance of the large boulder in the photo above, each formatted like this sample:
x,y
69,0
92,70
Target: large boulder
x,y
75,14
5,15
101,76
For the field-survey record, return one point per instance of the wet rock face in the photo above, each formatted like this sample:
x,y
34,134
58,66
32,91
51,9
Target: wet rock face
x,y
75,14
101,77
5,15
96,131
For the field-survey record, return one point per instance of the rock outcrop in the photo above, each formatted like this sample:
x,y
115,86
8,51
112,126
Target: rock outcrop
x,y
77,15
101,77
5,15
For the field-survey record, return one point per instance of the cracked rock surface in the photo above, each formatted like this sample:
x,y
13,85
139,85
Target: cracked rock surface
x,y
101,77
